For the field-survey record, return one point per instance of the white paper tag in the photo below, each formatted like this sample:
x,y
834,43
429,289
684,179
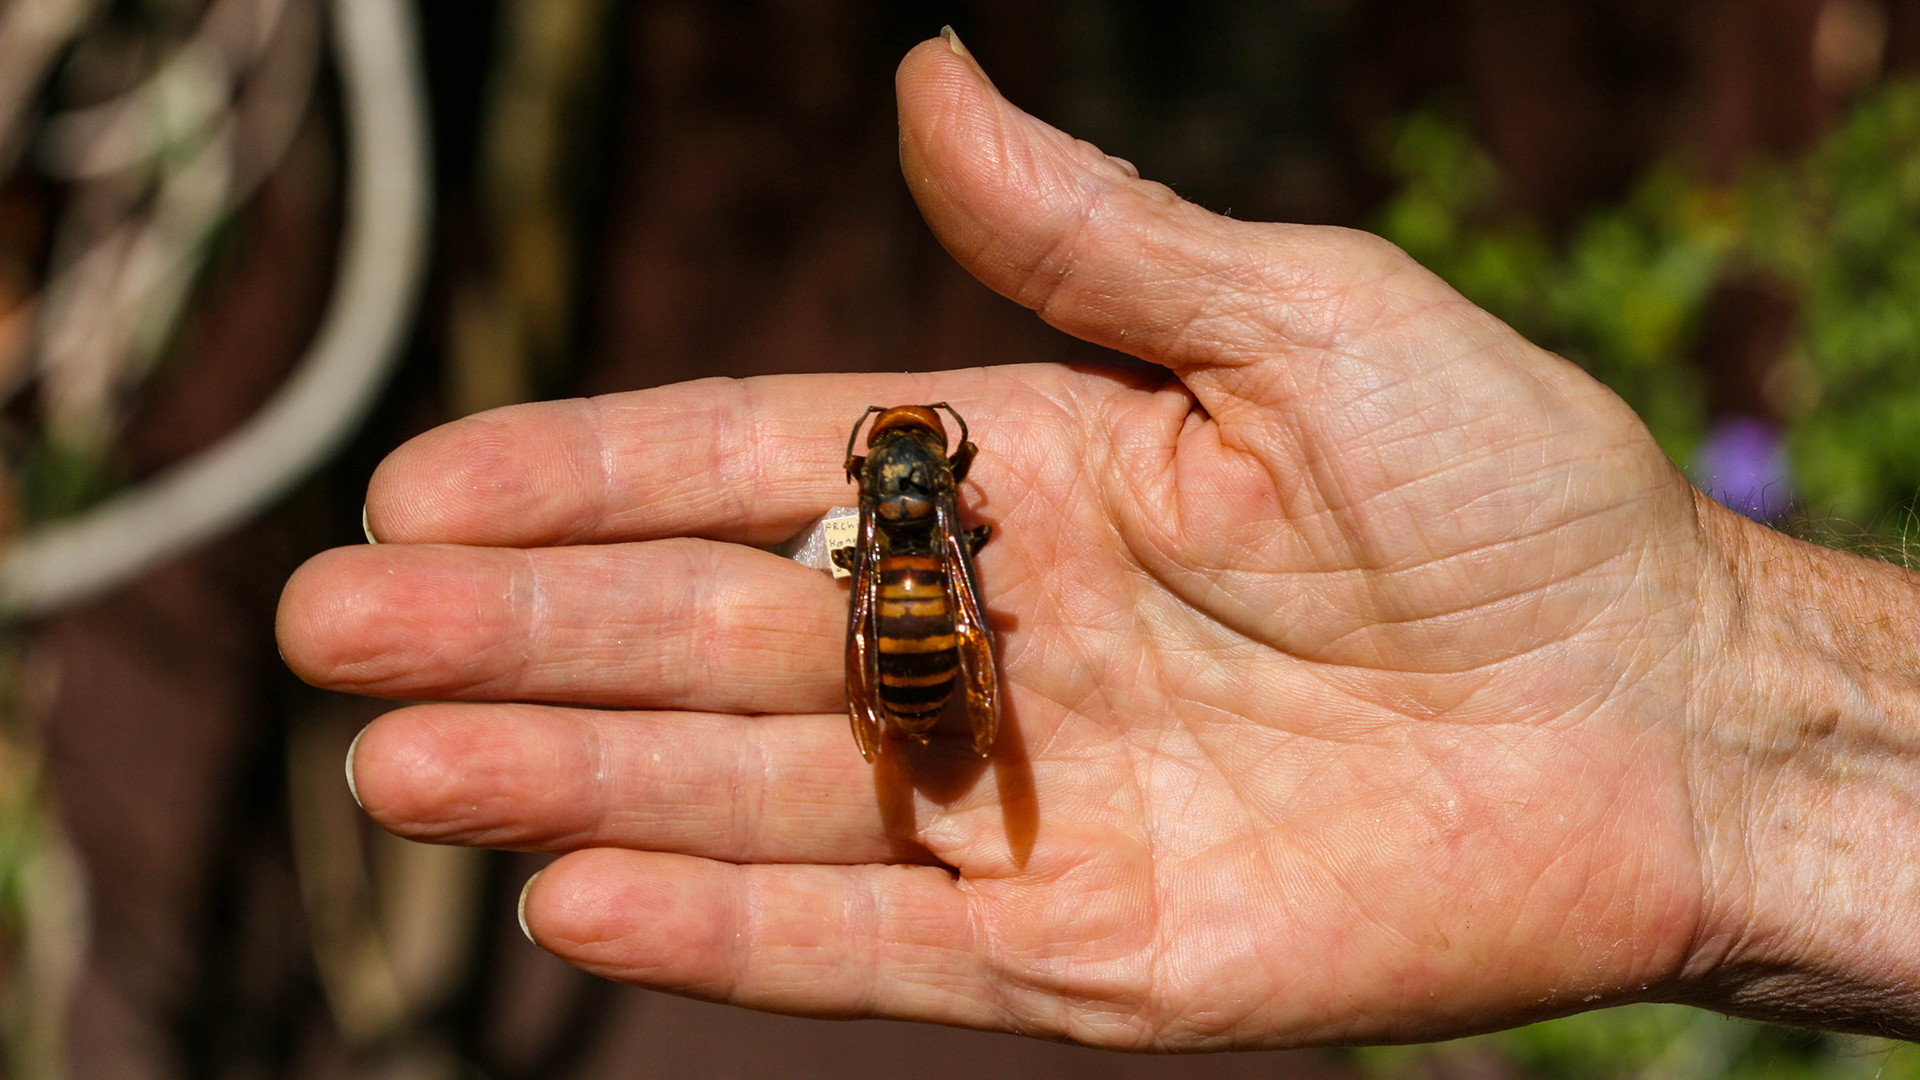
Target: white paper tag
x,y
840,532
839,528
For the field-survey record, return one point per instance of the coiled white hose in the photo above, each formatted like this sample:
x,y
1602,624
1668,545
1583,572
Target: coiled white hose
x,y
382,257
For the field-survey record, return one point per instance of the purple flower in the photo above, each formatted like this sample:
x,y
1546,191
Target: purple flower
x,y
1743,464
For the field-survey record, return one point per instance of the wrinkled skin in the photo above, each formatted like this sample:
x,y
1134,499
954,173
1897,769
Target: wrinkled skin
x,y
1349,661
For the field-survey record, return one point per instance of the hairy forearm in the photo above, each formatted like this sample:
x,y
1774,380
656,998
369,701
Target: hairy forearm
x,y
1804,766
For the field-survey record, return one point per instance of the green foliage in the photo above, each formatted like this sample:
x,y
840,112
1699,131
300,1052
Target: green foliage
x,y
1622,297
1625,292
1853,248
58,479
1653,1041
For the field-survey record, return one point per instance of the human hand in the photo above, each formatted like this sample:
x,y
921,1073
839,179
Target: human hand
x,y
1353,668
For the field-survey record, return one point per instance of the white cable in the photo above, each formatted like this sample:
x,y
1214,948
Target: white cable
x,y
382,257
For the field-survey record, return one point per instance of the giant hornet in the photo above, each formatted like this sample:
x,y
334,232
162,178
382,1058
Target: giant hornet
x,y
914,622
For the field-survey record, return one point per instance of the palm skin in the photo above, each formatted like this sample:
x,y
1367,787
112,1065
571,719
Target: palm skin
x,y
1346,666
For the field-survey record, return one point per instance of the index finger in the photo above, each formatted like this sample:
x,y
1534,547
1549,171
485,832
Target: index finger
x,y
742,460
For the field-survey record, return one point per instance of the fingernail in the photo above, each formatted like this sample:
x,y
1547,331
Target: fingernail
x,y
365,527
960,50
522,910
953,42
352,788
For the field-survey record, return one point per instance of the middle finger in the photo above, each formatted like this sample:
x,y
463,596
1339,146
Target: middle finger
x,y
666,624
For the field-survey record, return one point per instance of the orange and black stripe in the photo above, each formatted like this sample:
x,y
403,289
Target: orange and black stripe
x,y
918,655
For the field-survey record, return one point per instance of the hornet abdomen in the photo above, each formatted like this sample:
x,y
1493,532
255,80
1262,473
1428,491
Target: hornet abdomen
x,y
919,656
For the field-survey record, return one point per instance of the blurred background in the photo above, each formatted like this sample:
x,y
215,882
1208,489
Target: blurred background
x,y
226,291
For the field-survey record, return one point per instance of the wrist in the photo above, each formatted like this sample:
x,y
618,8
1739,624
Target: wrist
x,y
1804,768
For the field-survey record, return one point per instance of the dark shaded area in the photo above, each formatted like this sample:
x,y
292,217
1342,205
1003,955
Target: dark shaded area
x,y
739,212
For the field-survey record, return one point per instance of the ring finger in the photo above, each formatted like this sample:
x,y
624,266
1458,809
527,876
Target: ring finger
x,y
765,789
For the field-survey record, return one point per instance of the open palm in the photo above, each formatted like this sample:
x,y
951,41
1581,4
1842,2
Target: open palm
x,y
1340,662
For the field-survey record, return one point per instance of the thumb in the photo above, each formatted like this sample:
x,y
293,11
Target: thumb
x,y
1055,224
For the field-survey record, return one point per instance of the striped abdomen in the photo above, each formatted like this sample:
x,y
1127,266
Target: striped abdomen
x,y
918,657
